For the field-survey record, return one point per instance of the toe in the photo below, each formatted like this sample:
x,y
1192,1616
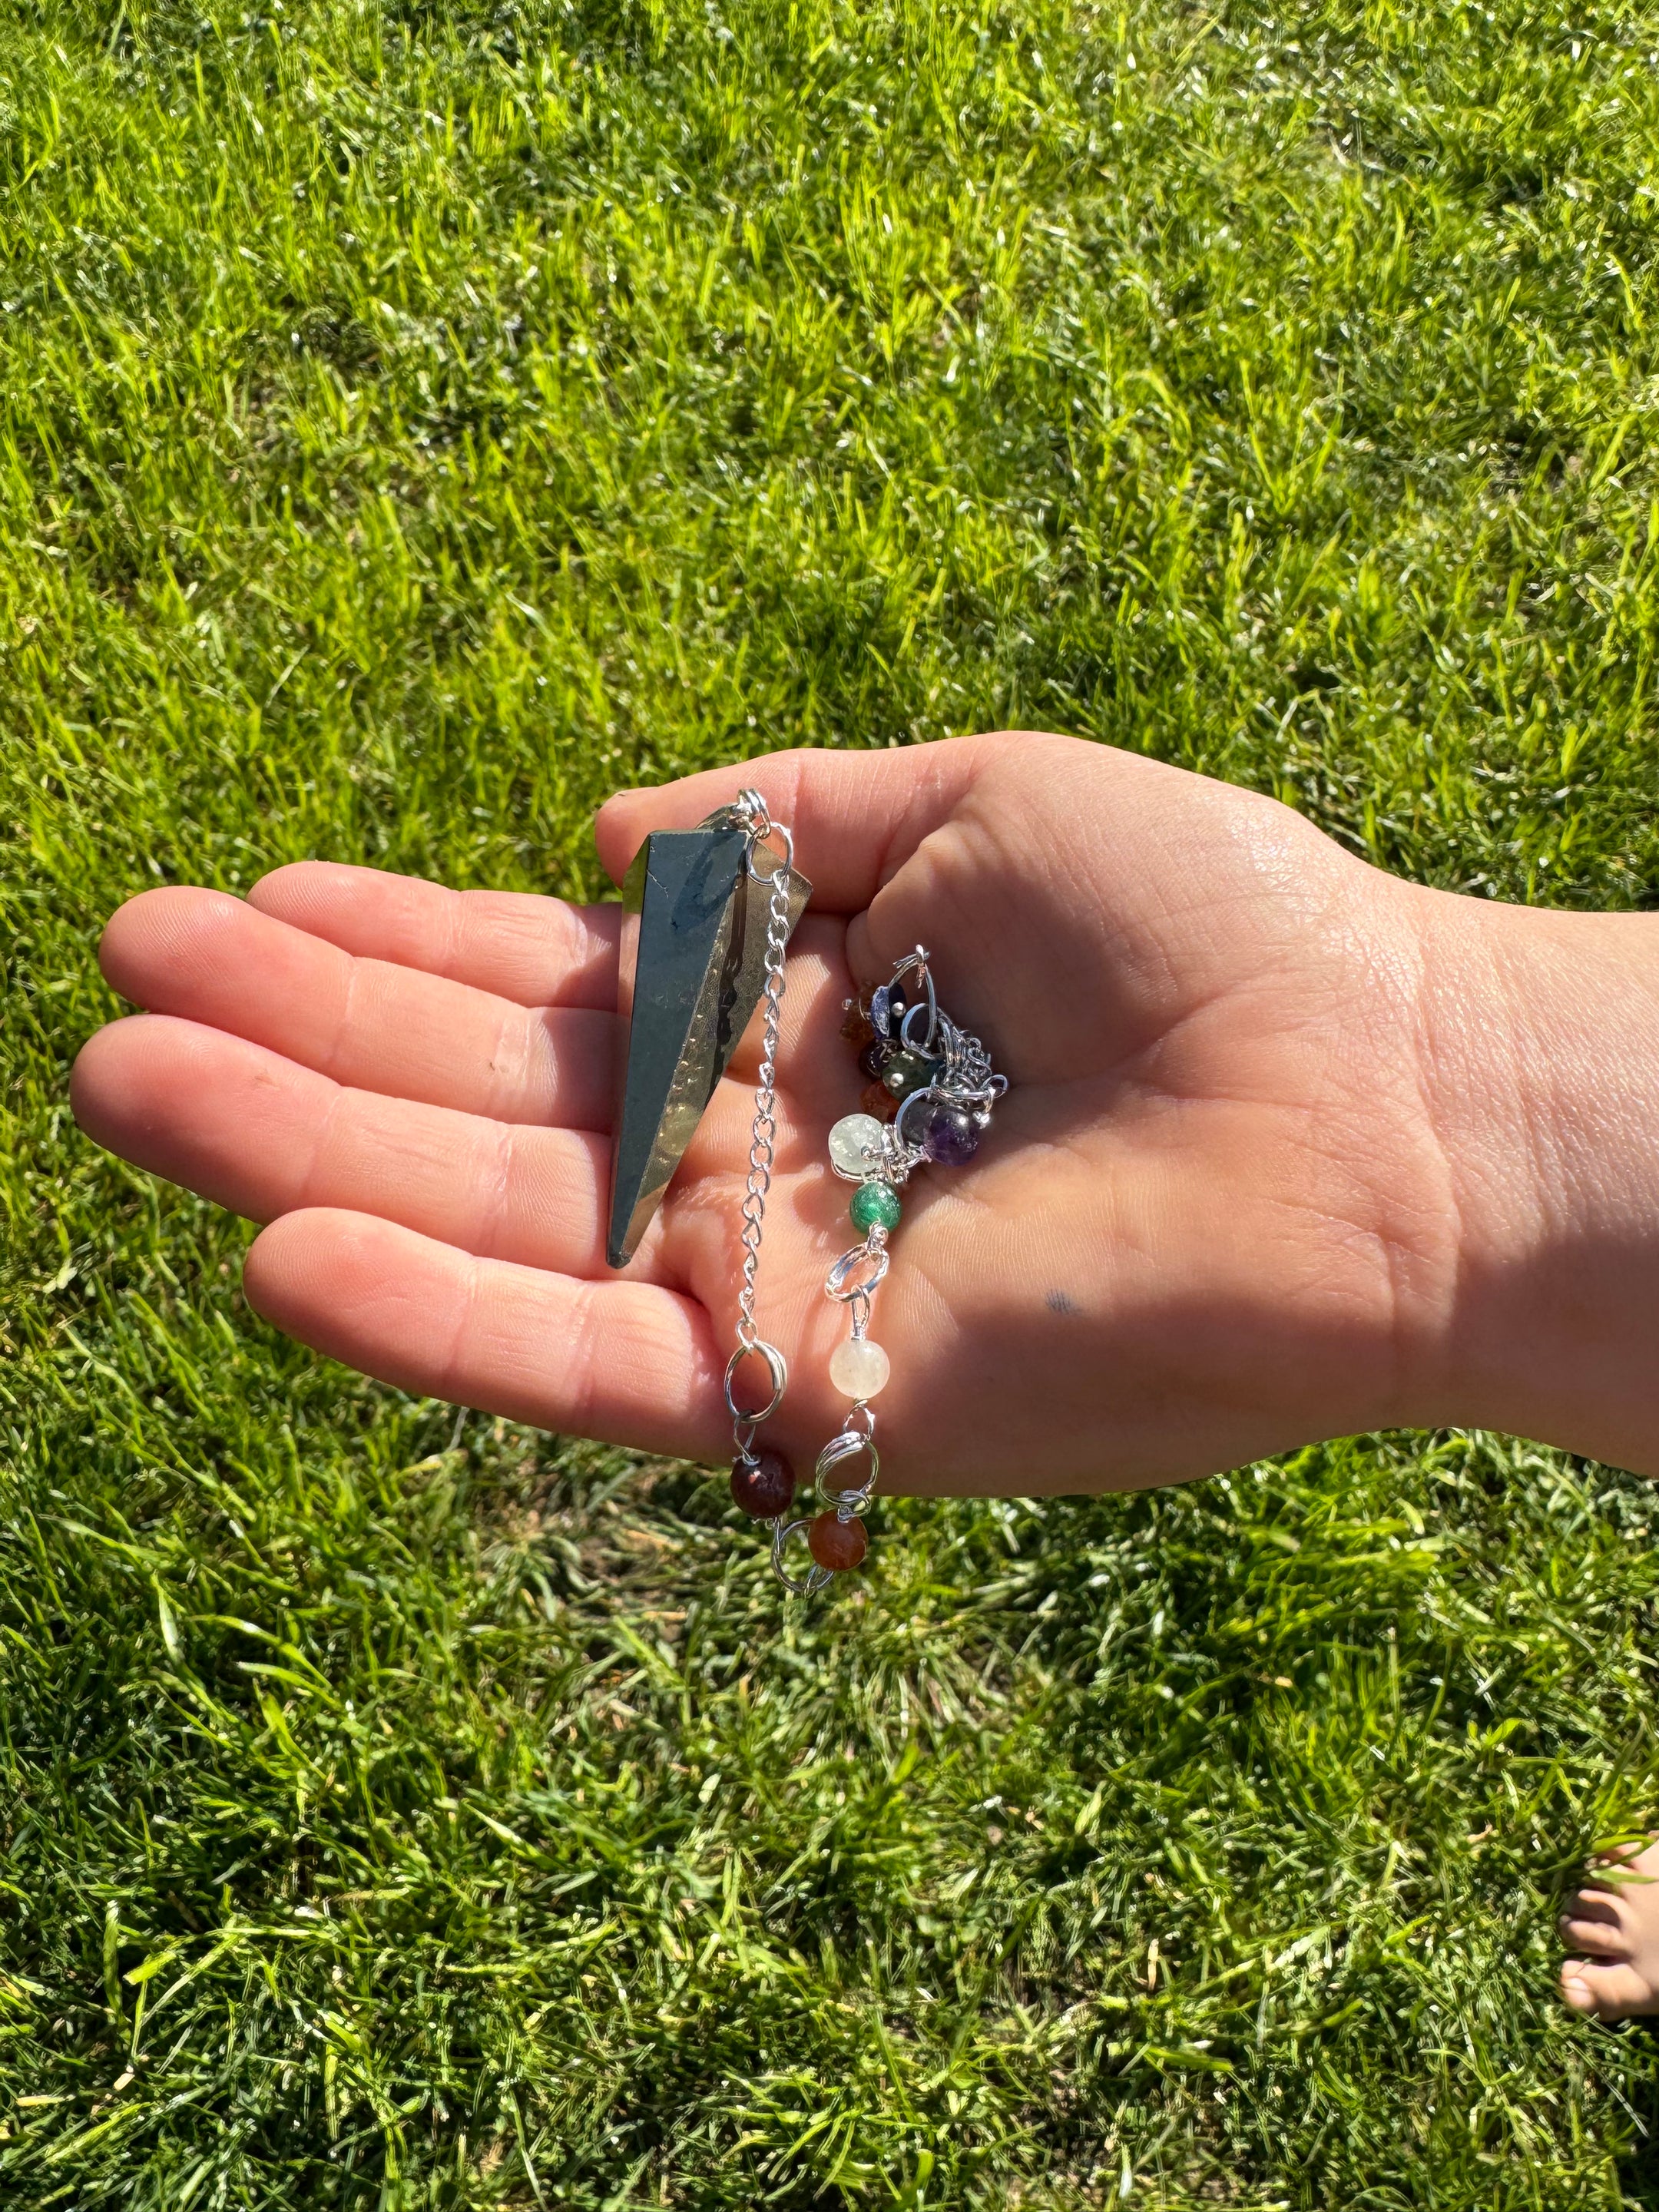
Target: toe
x,y
1606,1990
1597,1939
1595,1902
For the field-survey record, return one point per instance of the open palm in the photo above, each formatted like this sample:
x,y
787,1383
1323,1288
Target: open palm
x,y
1186,1241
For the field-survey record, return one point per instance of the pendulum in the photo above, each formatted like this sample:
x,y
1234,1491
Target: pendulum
x,y
708,914
931,1093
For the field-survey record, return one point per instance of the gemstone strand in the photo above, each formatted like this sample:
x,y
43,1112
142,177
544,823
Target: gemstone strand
x,y
928,1100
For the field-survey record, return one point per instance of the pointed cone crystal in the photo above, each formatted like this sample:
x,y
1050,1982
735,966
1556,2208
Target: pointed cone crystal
x,y
690,974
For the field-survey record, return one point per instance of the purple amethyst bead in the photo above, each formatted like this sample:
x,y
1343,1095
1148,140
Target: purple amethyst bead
x,y
874,1058
949,1136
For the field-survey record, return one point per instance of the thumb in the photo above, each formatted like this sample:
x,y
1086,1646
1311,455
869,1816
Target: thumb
x,y
855,817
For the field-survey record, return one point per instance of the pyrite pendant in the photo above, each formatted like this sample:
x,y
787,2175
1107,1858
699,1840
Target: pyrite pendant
x,y
690,975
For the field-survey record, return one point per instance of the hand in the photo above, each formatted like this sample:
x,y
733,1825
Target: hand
x,y
1264,1173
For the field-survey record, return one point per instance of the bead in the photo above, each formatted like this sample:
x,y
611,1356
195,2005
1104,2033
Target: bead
x,y
856,1144
874,1058
859,1369
878,1104
856,1028
764,1486
888,1007
907,1072
949,1134
837,1545
875,1203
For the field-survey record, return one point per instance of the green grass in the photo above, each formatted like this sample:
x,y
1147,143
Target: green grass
x,y
417,419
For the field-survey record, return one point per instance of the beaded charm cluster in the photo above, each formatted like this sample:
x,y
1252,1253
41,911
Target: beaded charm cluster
x,y
931,1088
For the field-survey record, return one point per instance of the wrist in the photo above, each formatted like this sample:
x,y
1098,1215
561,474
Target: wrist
x,y
1540,1061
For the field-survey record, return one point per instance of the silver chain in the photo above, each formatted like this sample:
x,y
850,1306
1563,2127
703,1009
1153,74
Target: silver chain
x,y
764,1135
750,813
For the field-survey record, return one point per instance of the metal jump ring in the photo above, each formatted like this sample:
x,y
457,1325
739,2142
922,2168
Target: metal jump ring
x,y
917,961
749,812
812,1582
931,1009
845,1444
777,1370
780,873
838,1283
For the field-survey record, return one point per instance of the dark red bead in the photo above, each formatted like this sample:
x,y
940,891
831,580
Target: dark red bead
x,y
765,1486
877,1099
835,1544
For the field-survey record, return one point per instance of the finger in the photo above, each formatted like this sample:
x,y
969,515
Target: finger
x,y
855,817
266,1137
627,1363
536,951
815,987
207,958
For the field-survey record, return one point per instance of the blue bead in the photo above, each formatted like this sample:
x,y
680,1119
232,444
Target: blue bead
x,y
887,1006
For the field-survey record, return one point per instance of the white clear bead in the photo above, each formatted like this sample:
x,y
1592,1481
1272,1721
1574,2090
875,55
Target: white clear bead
x,y
855,1145
858,1368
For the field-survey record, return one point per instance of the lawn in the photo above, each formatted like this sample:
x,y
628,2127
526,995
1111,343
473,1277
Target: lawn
x,y
417,417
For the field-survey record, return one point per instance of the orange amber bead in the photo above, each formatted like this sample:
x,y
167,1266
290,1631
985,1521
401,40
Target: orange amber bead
x,y
837,1545
857,1028
876,1098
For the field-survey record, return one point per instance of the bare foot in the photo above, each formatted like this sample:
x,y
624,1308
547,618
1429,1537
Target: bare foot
x,y
1613,1925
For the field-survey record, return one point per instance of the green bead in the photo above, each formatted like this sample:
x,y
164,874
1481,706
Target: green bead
x,y
907,1072
875,1204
